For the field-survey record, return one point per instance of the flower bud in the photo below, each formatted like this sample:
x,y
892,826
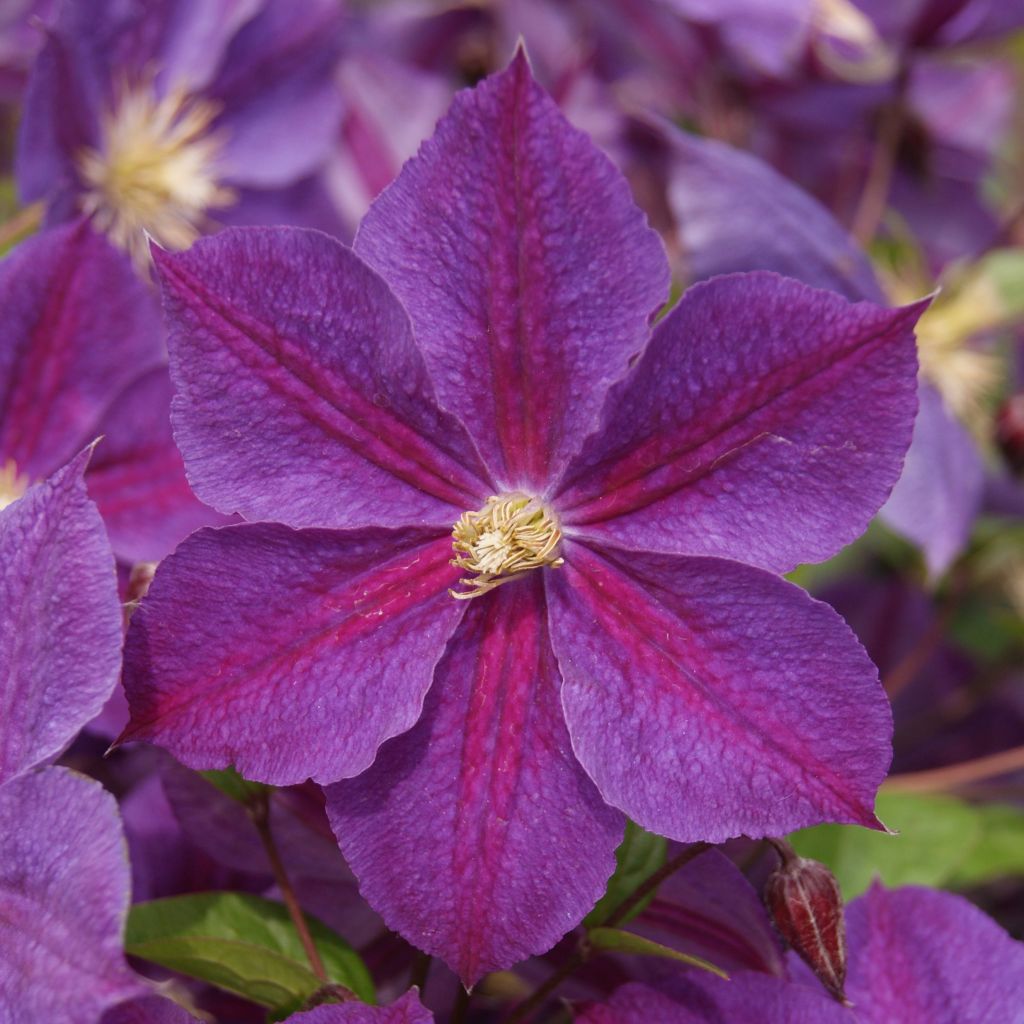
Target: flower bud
x,y
1010,431
806,905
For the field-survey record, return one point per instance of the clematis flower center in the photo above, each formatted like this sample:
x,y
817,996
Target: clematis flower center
x,y
510,535
155,170
12,484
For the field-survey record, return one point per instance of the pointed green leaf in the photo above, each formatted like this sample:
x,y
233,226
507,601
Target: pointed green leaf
x,y
618,941
244,944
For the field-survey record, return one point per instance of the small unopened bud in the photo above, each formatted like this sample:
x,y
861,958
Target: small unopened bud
x,y
1010,431
806,905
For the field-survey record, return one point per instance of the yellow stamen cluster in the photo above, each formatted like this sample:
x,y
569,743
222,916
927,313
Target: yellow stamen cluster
x,y
842,22
155,170
12,484
510,535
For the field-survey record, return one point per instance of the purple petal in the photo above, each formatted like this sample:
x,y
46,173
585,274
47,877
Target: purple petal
x,y
221,827
148,1010
60,619
476,835
710,910
77,326
735,213
528,271
700,999
63,899
708,699
407,1010
766,422
288,653
638,1004
939,494
281,104
301,394
929,957
137,477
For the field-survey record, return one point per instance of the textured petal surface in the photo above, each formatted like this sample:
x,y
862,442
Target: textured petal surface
x,y
528,271
60,619
77,326
407,1010
137,478
939,494
64,889
301,394
734,213
708,699
476,835
702,999
766,422
927,957
288,653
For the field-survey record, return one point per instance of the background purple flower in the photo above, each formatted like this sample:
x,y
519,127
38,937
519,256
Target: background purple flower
x,y
152,116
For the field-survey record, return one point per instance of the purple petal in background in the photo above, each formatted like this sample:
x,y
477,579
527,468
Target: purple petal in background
x,y
766,422
939,494
928,957
708,699
137,478
77,327
528,272
148,1010
288,653
63,897
709,909
477,836
60,619
735,213
281,104
407,1010
301,395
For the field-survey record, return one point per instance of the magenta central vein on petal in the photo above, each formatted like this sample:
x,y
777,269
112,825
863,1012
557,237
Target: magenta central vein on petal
x,y
647,631
625,493
395,447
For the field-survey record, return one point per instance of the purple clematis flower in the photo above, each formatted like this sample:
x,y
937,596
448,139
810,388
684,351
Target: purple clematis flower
x,y
152,116
477,383
916,956
63,900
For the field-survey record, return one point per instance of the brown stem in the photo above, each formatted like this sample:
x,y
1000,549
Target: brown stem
x,y
875,195
259,812
21,223
936,780
539,996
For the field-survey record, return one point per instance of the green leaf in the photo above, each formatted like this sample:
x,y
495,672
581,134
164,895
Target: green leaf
x,y
244,944
626,942
229,782
639,855
936,833
999,850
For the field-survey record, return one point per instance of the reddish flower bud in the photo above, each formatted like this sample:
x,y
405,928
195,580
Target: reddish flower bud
x,y
1010,431
806,905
